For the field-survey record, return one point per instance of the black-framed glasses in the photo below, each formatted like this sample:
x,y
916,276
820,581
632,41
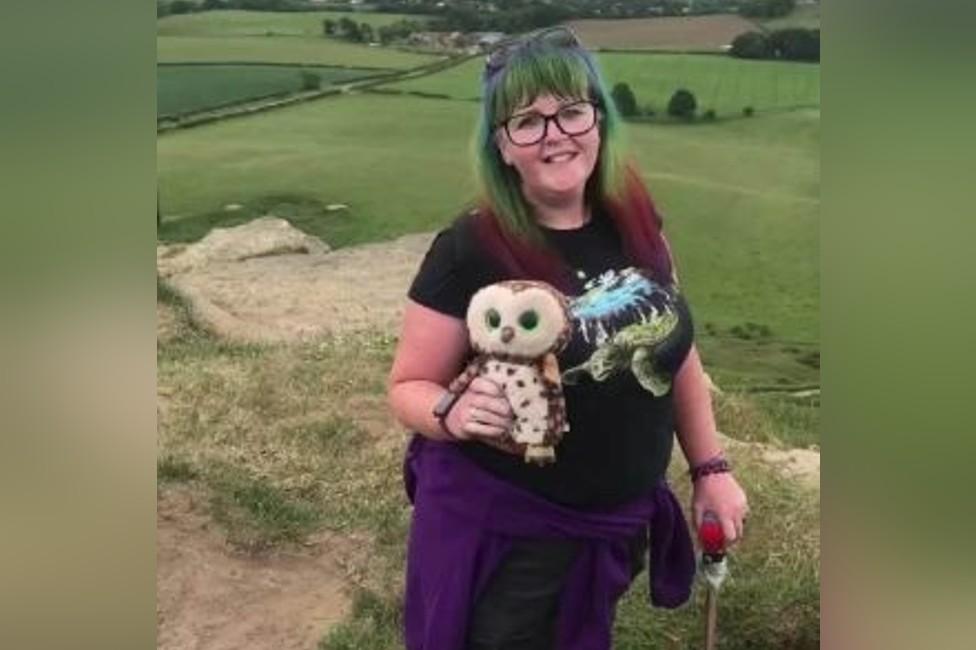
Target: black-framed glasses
x,y
500,55
529,128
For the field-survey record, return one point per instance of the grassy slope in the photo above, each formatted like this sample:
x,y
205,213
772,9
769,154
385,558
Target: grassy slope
x,y
741,208
182,89
722,83
282,49
282,445
258,23
403,167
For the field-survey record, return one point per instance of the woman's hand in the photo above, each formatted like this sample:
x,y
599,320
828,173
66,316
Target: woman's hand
x,y
721,494
481,412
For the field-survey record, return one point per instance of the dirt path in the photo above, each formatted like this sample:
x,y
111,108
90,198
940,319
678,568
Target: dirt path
x,y
277,286
210,598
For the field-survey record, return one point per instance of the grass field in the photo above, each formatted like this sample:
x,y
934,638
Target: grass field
x,y
701,33
188,88
259,23
281,49
722,83
401,165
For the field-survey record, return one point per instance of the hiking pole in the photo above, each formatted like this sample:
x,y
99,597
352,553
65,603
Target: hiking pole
x,y
714,571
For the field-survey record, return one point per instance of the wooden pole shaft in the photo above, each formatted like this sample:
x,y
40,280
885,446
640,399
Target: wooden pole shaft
x,y
711,619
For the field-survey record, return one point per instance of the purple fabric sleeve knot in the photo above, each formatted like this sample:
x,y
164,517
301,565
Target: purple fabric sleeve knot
x,y
465,518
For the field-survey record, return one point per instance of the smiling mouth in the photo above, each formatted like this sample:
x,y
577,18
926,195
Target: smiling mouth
x,y
564,156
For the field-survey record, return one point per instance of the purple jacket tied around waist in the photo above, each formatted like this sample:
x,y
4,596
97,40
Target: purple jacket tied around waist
x,y
464,520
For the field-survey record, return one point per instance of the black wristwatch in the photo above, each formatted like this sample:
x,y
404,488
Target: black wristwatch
x,y
443,407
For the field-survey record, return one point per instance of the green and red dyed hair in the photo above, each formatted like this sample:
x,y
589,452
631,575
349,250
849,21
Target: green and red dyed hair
x,y
506,221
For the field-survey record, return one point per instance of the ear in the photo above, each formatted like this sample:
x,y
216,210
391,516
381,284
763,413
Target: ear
x,y
504,146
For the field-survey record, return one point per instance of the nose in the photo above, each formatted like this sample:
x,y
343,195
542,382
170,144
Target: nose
x,y
508,333
553,132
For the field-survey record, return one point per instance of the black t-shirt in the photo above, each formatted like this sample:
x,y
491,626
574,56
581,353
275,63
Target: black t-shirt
x,y
621,434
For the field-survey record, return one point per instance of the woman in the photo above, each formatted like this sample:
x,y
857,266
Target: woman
x,y
504,554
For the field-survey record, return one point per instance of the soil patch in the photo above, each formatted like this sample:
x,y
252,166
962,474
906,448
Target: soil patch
x,y
209,597
802,465
665,33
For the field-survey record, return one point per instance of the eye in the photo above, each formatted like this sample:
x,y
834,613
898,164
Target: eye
x,y
529,121
493,318
528,319
571,111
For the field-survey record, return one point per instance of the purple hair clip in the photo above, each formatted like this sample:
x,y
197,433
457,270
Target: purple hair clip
x,y
501,54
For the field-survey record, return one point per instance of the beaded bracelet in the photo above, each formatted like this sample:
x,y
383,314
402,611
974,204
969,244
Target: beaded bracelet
x,y
715,465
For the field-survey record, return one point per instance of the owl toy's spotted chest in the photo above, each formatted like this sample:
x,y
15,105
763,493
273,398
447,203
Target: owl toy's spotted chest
x,y
525,388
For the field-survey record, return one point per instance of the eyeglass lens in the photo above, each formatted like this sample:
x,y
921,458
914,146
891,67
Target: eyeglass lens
x,y
530,128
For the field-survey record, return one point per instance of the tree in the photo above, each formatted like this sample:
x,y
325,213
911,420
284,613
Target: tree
x,y
795,44
212,5
366,33
624,99
791,44
462,19
767,8
328,27
181,7
349,29
751,45
397,30
682,104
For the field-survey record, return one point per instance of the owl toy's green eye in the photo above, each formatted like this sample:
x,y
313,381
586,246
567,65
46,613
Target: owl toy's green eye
x,y
529,319
493,318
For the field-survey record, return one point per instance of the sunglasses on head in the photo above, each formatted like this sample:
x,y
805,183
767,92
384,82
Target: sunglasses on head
x,y
501,54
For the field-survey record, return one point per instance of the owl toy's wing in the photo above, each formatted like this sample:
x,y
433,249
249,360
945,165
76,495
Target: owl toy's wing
x,y
550,369
557,402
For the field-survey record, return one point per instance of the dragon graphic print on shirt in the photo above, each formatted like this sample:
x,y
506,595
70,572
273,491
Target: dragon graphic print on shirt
x,y
625,316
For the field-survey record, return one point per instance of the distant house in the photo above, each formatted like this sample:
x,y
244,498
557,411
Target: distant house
x,y
439,40
485,40
471,42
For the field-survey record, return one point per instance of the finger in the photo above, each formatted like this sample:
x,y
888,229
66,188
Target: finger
x,y
483,386
485,430
485,416
498,406
728,529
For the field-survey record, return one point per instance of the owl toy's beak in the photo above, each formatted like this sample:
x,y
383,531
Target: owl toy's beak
x,y
508,333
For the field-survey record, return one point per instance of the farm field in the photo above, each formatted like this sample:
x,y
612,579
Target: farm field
x,y
188,88
700,33
719,82
259,23
401,165
282,49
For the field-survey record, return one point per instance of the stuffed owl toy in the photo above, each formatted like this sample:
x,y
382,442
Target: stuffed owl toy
x,y
516,328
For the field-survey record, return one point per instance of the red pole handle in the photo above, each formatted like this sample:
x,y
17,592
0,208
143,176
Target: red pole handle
x,y
711,536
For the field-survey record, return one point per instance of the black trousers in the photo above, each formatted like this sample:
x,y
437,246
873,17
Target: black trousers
x,y
517,610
